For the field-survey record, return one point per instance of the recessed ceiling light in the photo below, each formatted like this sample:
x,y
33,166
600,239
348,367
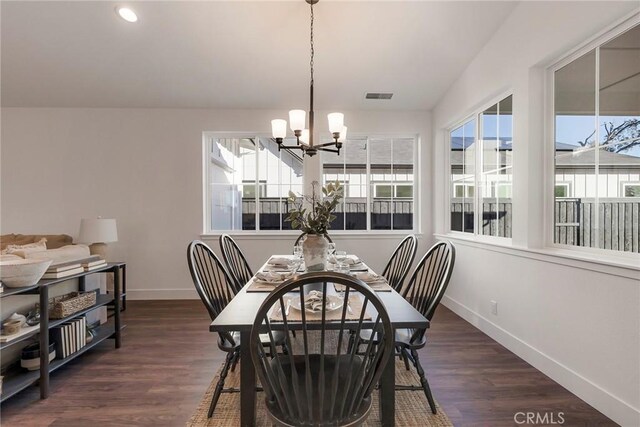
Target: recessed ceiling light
x,y
126,14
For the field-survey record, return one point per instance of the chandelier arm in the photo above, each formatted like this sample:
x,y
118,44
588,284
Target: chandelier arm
x,y
328,149
311,115
326,144
292,147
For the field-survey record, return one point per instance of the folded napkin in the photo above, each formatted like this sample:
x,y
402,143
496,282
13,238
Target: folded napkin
x,y
313,302
281,261
370,277
273,276
352,260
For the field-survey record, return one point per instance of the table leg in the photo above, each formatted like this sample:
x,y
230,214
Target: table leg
x,y
44,342
247,383
116,305
388,393
124,287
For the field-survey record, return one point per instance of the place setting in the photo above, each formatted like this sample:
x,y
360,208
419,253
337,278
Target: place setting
x,y
276,270
314,303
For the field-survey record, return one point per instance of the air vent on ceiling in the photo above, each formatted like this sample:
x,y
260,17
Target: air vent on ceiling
x,y
376,95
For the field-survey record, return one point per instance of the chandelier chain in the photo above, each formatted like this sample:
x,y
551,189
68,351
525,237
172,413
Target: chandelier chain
x,y
311,42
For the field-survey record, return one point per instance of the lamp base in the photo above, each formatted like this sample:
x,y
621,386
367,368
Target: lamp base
x,y
98,249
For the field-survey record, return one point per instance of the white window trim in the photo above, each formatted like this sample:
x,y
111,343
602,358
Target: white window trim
x,y
473,114
207,233
593,254
610,263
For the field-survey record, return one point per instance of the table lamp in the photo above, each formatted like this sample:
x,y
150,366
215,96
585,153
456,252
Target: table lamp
x,y
97,232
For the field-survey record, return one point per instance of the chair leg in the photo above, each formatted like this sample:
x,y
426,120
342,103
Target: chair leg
x,y
234,362
220,385
352,343
423,381
403,354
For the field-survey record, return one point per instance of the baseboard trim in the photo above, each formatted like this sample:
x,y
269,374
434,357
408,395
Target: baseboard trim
x,y
152,294
610,405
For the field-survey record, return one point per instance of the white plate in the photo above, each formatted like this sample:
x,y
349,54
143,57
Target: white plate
x,y
334,302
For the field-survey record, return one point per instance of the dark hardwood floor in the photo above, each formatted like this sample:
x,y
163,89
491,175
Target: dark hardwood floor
x,y
168,359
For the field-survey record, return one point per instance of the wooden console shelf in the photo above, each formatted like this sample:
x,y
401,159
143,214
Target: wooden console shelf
x,y
18,379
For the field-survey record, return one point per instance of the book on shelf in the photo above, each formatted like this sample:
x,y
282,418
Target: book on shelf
x,y
69,337
24,331
65,273
83,262
92,261
101,264
63,266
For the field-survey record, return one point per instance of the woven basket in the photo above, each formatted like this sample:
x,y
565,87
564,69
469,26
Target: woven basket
x,y
68,304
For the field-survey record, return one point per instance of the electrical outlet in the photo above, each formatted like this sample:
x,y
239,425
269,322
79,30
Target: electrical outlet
x,y
494,307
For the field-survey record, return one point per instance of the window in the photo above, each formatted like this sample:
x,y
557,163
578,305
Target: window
x,y
597,146
462,190
379,178
249,189
562,190
631,189
248,183
397,190
481,158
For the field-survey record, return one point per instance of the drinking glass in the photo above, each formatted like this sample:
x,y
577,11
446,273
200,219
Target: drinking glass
x,y
298,255
331,249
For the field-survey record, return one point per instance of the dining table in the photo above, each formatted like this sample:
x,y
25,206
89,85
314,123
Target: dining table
x,y
239,315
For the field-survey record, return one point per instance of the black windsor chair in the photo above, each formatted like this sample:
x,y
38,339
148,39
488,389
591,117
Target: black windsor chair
x,y
216,290
320,383
424,291
400,262
236,262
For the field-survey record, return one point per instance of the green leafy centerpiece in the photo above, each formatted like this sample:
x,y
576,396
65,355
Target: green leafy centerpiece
x,y
313,216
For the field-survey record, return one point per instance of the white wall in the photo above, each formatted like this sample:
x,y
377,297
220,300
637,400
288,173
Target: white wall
x,y
578,325
144,168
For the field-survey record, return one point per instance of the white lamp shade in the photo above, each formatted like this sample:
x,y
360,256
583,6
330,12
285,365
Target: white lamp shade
x,y
98,230
279,128
336,122
297,119
343,134
305,136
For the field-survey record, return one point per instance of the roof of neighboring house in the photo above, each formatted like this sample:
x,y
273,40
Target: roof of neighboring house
x,y
567,155
586,157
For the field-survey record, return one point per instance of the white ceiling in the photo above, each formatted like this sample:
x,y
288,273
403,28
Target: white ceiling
x,y
239,54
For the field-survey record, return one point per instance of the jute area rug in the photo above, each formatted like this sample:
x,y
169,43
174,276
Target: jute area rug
x,y
412,408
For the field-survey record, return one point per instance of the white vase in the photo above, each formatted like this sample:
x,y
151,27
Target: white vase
x,y
314,249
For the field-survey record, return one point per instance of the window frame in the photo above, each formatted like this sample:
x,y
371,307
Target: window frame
x,y
310,174
417,178
592,43
475,114
206,175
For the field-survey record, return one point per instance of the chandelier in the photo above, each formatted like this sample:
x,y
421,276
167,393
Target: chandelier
x,y
297,121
